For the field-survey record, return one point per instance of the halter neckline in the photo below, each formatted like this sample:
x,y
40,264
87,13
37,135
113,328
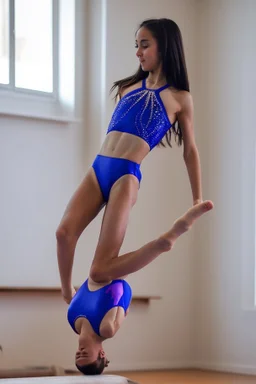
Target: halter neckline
x,y
151,89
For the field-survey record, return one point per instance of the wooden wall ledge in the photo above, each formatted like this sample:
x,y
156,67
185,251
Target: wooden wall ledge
x,y
45,290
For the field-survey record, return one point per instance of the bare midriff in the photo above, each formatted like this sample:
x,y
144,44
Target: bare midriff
x,y
124,146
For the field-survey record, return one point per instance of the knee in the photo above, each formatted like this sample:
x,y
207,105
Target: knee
x,y
63,234
98,274
94,274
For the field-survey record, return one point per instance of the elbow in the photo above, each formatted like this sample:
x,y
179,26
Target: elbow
x,y
190,153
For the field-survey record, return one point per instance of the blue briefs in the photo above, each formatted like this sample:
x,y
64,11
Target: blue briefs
x,y
109,169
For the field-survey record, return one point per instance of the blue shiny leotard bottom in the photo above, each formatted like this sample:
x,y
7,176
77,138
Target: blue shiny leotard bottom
x,y
109,169
94,305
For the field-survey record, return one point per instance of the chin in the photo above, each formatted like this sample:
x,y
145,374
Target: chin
x,y
144,68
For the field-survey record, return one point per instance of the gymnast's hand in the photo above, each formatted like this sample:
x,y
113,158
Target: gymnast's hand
x,y
68,294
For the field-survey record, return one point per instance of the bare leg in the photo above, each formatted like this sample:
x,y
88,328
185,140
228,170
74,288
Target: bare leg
x,y
81,210
115,220
131,262
185,222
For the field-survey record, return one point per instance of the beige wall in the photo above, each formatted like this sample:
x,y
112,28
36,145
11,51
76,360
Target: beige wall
x,y
225,257
201,319
30,323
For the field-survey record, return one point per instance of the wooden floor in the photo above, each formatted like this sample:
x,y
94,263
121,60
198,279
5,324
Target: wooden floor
x,y
187,377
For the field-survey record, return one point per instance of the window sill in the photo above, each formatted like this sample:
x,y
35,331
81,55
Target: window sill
x,y
43,117
30,107
50,290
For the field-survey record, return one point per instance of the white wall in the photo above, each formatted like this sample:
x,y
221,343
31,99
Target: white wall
x,y
225,332
29,322
203,321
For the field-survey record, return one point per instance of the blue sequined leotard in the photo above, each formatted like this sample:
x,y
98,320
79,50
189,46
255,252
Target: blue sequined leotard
x,y
142,113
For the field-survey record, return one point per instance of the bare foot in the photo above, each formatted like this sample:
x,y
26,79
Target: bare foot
x,y
184,223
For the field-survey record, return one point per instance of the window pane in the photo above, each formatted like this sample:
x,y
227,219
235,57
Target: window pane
x,y
33,45
4,41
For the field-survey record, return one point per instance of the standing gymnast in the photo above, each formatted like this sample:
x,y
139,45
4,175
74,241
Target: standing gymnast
x,y
152,104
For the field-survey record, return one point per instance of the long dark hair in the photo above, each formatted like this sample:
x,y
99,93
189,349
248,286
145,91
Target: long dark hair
x,y
170,47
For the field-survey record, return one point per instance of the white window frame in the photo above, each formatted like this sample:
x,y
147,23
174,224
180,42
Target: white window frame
x,y
59,105
55,57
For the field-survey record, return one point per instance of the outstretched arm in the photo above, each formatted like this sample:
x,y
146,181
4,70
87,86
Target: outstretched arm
x,y
190,154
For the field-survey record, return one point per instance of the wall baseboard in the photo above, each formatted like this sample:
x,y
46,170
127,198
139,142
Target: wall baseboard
x,y
225,367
